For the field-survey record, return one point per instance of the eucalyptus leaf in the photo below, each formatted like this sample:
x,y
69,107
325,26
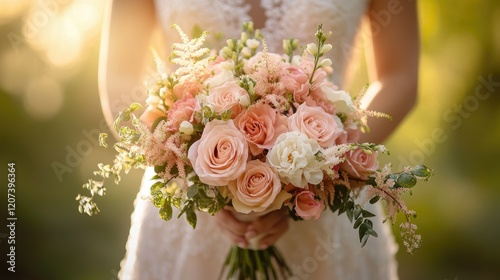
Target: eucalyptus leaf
x,y
367,214
357,211
374,200
421,171
358,222
407,180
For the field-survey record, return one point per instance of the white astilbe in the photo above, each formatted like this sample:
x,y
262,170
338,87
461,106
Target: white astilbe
x,y
190,56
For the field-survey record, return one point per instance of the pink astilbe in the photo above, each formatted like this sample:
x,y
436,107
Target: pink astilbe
x,y
411,239
267,74
395,204
164,149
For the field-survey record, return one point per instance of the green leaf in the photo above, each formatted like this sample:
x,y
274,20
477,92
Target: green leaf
x,y
166,210
374,199
406,180
135,106
156,187
363,234
358,222
192,191
357,211
191,217
421,171
350,214
367,214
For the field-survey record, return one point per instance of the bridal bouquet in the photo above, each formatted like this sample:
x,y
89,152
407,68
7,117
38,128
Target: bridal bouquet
x,y
256,131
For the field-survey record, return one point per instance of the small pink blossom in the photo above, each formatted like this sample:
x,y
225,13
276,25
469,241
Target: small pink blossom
x,y
182,110
306,206
296,81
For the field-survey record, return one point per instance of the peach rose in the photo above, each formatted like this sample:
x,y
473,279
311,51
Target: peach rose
x,y
220,155
360,163
226,97
258,189
306,206
261,125
151,117
316,124
182,110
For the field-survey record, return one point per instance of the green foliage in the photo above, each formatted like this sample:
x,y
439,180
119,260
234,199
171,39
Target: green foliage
x,y
343,202
126,159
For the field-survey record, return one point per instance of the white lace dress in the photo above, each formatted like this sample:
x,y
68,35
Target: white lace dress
x,y
327,248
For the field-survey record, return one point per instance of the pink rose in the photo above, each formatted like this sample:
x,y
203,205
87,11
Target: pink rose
x,y
296,81
182,110
360,163
220,155
227,97
151,116
261,125
351,136
317,98
306,206
316,124
258,189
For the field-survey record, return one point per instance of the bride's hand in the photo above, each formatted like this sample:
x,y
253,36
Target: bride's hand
x,y
233,228
273,225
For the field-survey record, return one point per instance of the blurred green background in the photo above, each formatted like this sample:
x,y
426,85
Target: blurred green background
x,y
50,116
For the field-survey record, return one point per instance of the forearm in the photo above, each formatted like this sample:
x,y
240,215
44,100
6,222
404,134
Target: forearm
x,y
394,61
395,96
125,42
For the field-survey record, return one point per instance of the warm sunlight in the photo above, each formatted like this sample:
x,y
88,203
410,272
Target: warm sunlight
x,y
54,37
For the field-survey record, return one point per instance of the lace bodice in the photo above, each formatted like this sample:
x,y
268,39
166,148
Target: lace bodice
x,y
279,19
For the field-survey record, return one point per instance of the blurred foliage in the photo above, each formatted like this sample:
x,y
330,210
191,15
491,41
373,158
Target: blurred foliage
x,y
451,130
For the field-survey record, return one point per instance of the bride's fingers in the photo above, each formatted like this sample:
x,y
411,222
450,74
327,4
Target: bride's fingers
x,y
278,230
234,229
266,223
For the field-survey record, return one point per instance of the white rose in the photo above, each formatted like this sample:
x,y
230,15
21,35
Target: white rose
x,y
294,157
341,99
219,79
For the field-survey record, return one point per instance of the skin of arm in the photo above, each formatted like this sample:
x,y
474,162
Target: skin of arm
x,y
125,40
393,63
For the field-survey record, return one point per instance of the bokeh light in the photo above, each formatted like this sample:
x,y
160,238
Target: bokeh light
x,y
43,97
